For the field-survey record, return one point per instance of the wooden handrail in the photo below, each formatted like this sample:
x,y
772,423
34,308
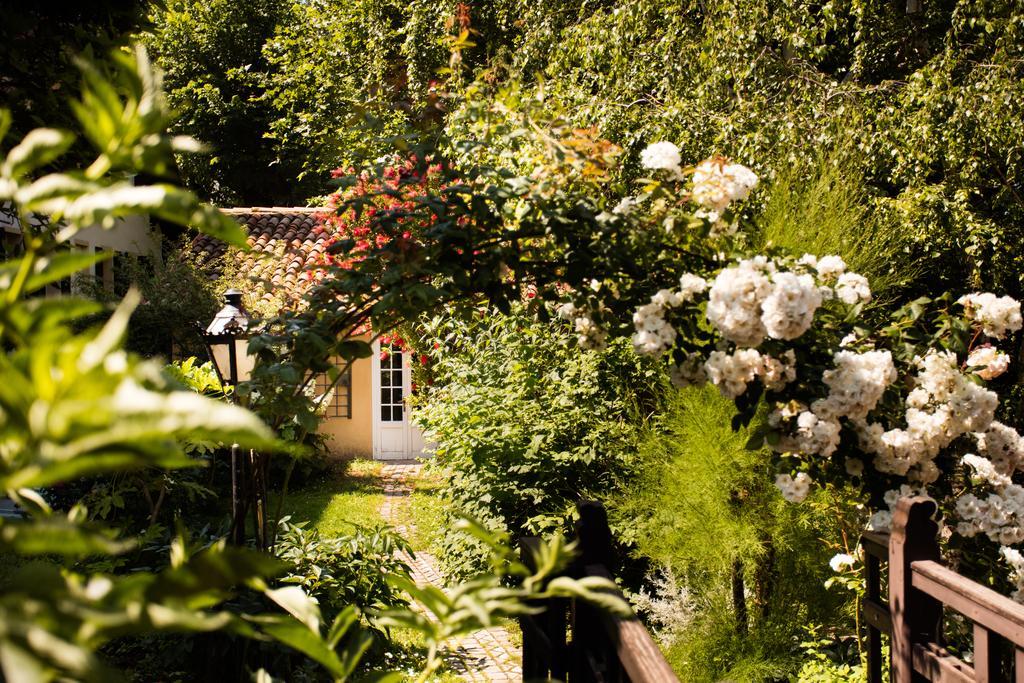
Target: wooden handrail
x,y
920,586
604,647
640,655
980,604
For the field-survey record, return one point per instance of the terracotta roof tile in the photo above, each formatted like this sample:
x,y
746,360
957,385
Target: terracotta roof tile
x,y
284,242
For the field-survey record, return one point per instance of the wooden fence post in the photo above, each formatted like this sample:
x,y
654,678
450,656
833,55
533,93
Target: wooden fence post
x,y
593,652
916,617
544,635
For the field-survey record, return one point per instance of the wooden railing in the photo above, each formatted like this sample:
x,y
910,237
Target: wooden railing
x,y
920,587
576,642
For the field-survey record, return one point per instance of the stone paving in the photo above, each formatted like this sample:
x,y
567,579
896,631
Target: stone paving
x,y
484,655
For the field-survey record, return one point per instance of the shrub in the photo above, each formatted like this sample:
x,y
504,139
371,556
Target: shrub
x,y
525,425
344,570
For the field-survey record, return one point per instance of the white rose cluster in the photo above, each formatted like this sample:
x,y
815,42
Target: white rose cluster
x,y
588,334
655,335
662,156
999,515
690,372
1003,446
788,311
1014,558
882,519
754,299
731,372
944,405
988,362
852,288
855,384
805,432
995,315
717,183
734,304
794,489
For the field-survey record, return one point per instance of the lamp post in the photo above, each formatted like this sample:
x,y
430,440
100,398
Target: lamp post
x,y
227,340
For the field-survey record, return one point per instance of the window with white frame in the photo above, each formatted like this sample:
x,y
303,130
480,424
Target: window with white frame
x,y
392,399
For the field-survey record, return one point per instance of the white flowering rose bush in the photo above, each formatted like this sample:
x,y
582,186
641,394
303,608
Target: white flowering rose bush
x,y
895,404
851,394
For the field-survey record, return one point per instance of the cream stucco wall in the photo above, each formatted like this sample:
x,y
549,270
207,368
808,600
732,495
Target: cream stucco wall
x,y
132,235
349,437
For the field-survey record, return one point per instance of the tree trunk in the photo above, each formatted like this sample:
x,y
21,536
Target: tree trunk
x,y
739,597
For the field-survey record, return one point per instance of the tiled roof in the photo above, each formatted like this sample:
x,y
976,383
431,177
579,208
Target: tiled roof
x,y
284,243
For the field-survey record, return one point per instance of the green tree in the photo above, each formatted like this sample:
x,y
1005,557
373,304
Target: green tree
x,y
212,56
41,39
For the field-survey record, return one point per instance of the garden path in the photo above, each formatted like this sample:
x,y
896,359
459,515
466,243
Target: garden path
x,y
484,655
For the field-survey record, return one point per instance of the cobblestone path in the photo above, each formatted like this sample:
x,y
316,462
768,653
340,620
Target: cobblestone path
x,y
485,655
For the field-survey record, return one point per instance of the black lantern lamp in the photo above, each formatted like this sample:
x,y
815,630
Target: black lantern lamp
x,y
227,343
227,340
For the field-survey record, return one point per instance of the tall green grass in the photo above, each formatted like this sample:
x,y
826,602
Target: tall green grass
x,y
702,501
825,208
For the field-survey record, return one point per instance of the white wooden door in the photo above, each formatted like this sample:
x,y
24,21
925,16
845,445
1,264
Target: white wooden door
x,y
394,435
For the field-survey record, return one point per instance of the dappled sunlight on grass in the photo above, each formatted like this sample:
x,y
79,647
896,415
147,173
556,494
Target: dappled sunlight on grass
x,y
343,498
423,516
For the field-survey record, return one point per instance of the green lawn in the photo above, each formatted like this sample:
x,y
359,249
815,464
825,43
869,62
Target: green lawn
x,y
343,498
423,515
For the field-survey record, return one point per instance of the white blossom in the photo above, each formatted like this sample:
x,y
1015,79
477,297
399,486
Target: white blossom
x,y
852,288
654,334
566,311
788,310
856,384
625,206
943,406
734,304
830,266
663,156
996,315
732,372
1013,558
794,489
990,362
690,372
1003,446
691,285
985,471
667,298
998,515
716,183
589,335
841,561
776,373
882,519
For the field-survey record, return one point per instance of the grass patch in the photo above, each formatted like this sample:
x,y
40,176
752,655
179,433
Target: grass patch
x,y
406,653
423,515
345,497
